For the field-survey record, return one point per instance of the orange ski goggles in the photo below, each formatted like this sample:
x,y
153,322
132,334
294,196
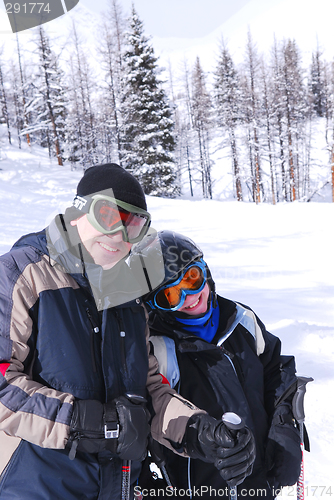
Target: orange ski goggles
x,y
172,296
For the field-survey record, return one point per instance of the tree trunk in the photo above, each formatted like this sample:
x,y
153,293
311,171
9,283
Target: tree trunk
x,y
22,90
48,99
189,172
332,158
4,106
257,169
236,171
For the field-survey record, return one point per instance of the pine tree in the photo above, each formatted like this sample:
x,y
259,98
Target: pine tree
x,y
22,92
227,105
111,48
295,105
147,134
4,102
279,118
16,101
81,123
184,130
252,111
74,130
268,111
201,111
331,124
49,103
317,85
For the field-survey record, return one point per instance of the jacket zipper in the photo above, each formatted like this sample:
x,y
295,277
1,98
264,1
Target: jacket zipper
x,y
94,331
122,340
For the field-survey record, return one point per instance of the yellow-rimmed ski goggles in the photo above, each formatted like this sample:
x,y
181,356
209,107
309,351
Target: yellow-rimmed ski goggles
x,y
109,215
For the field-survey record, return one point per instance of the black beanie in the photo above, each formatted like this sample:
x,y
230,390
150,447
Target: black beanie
x,y
111,176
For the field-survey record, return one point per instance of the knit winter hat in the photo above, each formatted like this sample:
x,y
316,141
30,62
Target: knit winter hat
x,y
111,176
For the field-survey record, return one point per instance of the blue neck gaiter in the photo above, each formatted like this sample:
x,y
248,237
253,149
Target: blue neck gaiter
x,y
205,326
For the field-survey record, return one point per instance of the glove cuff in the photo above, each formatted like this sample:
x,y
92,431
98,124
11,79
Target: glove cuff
x,y
199,439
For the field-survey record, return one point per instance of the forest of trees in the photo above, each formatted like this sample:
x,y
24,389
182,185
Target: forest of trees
x,y
257,120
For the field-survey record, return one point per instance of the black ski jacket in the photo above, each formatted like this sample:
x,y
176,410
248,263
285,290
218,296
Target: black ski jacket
x,y
240,371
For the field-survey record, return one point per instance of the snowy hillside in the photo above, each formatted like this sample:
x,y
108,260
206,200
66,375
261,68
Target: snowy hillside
x,y
277,259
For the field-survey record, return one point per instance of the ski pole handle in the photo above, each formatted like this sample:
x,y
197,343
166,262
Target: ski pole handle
x,y
233,422
298,399
299,414
126,465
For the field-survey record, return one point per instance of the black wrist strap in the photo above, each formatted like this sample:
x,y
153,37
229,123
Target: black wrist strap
x,y
286,418
111,424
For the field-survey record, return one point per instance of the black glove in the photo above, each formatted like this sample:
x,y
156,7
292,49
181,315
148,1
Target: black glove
x,y
283,453
87,428
134,429
120,427
233,454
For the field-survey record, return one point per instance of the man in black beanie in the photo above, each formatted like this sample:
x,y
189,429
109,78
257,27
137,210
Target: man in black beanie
x,y
106,244
74,363
111,176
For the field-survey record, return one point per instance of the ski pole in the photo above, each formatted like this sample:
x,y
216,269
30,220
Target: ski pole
x,y
155,450
299,414
126,474
126,465
233,422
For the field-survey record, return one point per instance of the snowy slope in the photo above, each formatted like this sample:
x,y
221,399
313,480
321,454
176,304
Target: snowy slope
x,y
277,259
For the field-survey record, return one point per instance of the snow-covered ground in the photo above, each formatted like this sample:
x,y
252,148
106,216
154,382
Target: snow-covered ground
x,y
277,259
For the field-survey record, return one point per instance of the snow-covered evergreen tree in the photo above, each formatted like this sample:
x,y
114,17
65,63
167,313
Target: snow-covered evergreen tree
x,y
252,111
295,111
48,105
147,125
317,84
227,106
15,101
268,112
4,102
278,119
110,48
23,92
81,123
201,111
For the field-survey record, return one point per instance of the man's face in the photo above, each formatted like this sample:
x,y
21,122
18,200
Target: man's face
x,y
105,249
